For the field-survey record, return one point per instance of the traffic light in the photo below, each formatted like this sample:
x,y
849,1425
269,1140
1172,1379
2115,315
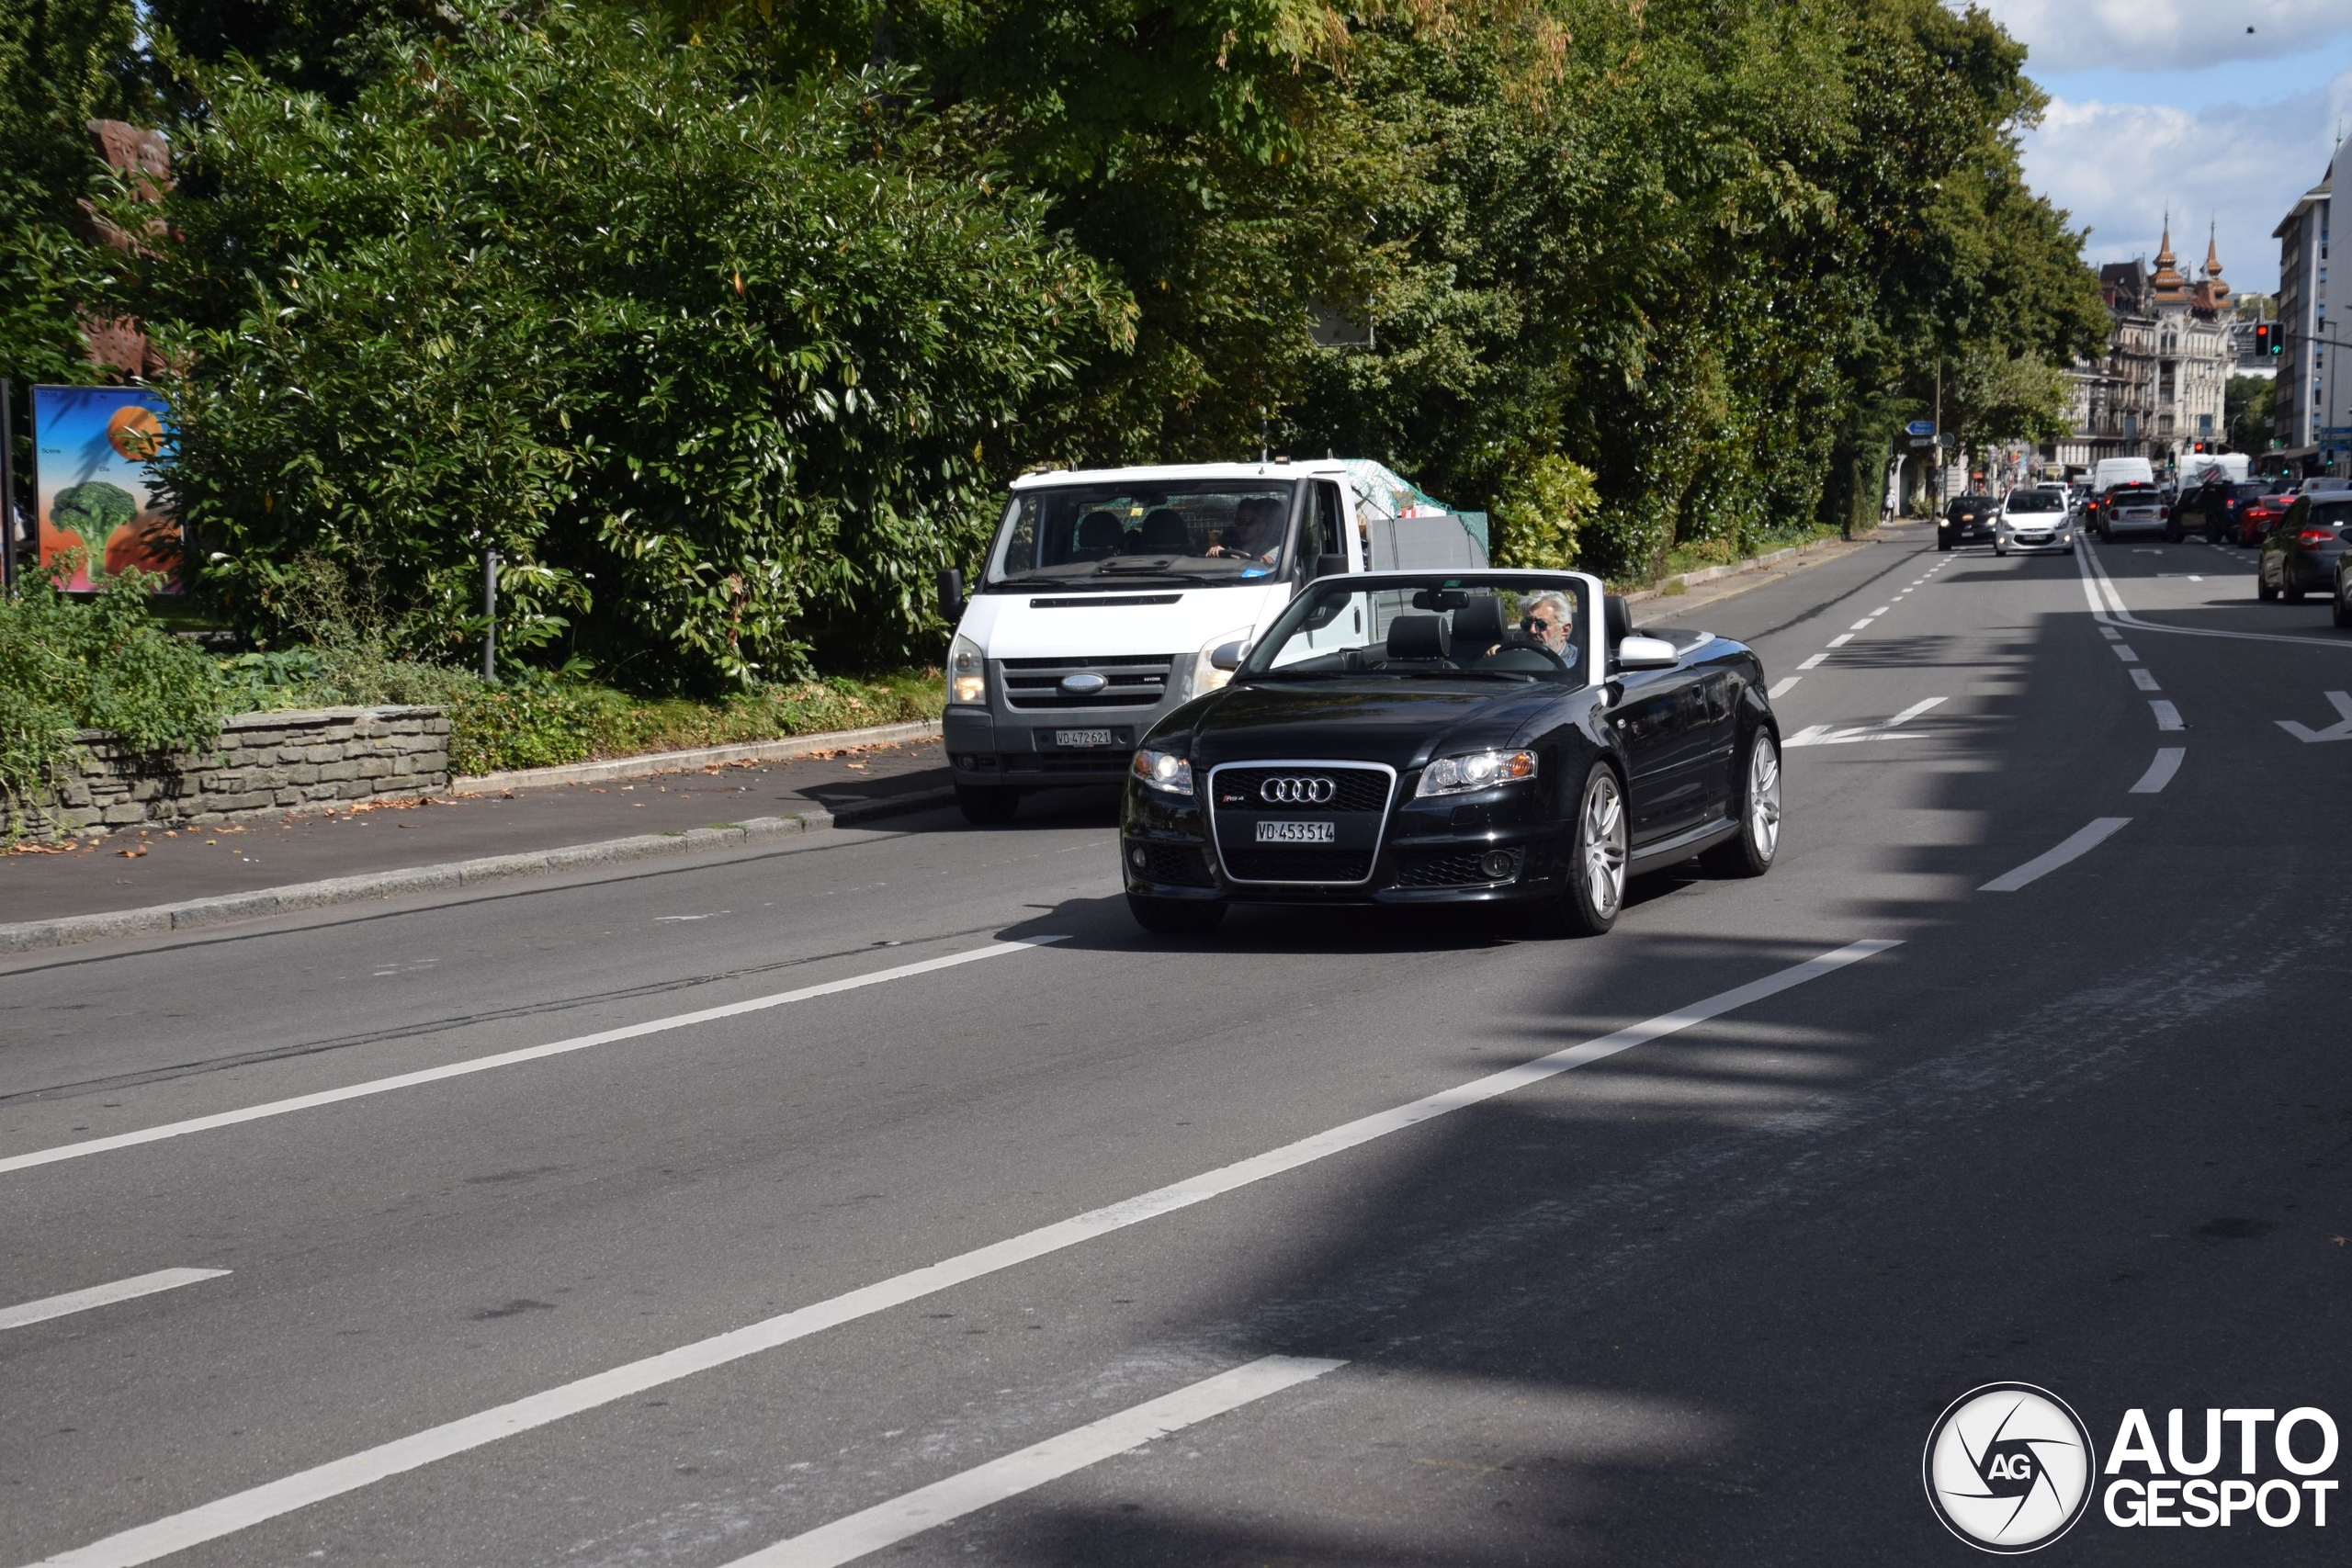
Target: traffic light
x,y
2269,337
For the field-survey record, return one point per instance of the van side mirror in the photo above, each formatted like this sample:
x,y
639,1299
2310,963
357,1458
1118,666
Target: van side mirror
x,y
1331,566
1226,656
1645,653
951,594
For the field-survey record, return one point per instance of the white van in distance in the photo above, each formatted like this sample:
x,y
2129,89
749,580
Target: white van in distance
x,y
1110,596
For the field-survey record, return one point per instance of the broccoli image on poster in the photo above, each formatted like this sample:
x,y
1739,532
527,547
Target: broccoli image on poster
x,y
98,449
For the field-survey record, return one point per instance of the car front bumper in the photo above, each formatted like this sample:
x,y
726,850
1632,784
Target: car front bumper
x,y
2037,539
1429,853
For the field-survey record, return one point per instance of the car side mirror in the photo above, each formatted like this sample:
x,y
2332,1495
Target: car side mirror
x,y
951,594
1226,656
1331,566
1645,653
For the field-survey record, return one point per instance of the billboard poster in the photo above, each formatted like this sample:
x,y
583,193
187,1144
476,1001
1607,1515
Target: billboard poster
x,y
92,444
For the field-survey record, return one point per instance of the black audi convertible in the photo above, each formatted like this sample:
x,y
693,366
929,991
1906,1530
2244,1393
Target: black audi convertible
x,y
1409,738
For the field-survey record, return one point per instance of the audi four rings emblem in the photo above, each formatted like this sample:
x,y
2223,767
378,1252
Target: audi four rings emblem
x,y
1309,791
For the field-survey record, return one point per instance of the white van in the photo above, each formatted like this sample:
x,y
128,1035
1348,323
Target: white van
x,y
2113,471
1110,596
2195,466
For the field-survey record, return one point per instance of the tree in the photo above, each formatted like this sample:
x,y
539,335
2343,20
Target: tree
x,y
2248,405
730,363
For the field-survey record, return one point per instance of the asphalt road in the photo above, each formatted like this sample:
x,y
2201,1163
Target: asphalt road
x,y
885,1192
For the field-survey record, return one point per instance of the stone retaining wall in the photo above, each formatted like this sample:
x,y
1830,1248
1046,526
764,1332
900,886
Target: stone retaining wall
x,y
263,762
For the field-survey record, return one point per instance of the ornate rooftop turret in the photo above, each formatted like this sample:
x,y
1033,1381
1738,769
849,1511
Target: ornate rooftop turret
x,y
2167,284
2212,291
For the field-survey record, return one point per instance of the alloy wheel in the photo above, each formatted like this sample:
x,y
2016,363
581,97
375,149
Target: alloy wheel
x,y
1764,797
1604,845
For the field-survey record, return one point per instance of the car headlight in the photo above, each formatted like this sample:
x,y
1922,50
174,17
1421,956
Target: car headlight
x,y
967,674
1479,769
1207,677
1165,769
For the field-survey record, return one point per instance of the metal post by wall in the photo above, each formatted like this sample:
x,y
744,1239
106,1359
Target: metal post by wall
x,y
490,617
7,489
1941,463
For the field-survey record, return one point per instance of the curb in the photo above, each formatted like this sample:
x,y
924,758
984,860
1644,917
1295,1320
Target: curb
x,y
453,876
700,757
1740,568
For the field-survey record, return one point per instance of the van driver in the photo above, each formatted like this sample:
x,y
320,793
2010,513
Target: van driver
x,y
1256,531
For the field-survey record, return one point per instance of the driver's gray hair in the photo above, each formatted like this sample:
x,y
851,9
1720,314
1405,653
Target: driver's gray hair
x,y
1562,611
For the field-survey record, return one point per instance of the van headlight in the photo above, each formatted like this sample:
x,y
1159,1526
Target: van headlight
x,y
1207,677
967,673
1479,769
1165,769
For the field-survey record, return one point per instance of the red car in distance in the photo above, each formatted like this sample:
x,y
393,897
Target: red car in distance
x,y
2254,518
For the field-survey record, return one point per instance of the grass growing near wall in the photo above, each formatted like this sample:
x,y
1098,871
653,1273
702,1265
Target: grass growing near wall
x,y
540,721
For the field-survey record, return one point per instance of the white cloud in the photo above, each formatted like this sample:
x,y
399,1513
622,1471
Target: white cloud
x,y
2166,35
2114,166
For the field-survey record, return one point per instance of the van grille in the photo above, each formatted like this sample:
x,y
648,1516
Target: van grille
x,y
1136,680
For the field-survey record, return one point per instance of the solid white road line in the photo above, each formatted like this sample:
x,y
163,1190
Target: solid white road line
x,y
2168,715
1813,661
72,1301
2161,771
886,1524
2144,678
227,1515
1841,639
509,1058
2108,605
2042,864
1780,687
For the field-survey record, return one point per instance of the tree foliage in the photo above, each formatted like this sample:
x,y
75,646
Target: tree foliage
x,y
722,318
713,363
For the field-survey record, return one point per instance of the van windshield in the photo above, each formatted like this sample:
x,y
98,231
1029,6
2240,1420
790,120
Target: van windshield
x,y
1104,535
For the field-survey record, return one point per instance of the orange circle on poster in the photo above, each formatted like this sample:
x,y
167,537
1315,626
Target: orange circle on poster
x,y
135,432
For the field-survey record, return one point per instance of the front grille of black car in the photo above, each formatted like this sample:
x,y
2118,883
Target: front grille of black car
x,y
1354,789
1460,869
1135,681
1297,862
1173,865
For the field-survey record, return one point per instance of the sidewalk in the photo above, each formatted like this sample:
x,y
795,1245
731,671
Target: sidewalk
x,y
394,836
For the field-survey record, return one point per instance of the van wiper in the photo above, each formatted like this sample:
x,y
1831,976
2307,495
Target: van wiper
x,y
1114,568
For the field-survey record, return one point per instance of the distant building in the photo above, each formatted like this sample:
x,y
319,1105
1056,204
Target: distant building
x,y
2157,391
2314,410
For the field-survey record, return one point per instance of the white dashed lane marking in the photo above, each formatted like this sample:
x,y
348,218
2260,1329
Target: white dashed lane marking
x,y
886,1524
2143,680
26,1312
2074,847
2161,771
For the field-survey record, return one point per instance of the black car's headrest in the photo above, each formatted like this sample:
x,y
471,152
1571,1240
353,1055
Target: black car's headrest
x,y
1419,636
1479,624
1619,619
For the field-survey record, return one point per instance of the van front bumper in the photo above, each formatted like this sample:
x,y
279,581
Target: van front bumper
x,y
1026,751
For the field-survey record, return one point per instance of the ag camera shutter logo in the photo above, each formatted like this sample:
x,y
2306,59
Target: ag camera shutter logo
x,y
2009,1468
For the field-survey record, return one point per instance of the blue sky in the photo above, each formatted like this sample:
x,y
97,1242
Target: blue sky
x,y
2170,101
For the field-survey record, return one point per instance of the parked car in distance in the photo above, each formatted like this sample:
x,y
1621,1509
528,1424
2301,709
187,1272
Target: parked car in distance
x,y
2300,552
2129,507
2256,517
2210,510
2033,520
1966,517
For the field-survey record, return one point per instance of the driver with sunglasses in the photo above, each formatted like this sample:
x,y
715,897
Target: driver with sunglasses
x,y
1549,620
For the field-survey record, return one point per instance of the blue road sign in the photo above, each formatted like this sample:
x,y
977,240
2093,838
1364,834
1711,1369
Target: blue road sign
x,y
1920,427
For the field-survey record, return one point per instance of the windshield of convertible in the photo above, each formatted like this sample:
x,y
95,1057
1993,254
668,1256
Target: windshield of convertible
x,y
1104,535
1523,628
